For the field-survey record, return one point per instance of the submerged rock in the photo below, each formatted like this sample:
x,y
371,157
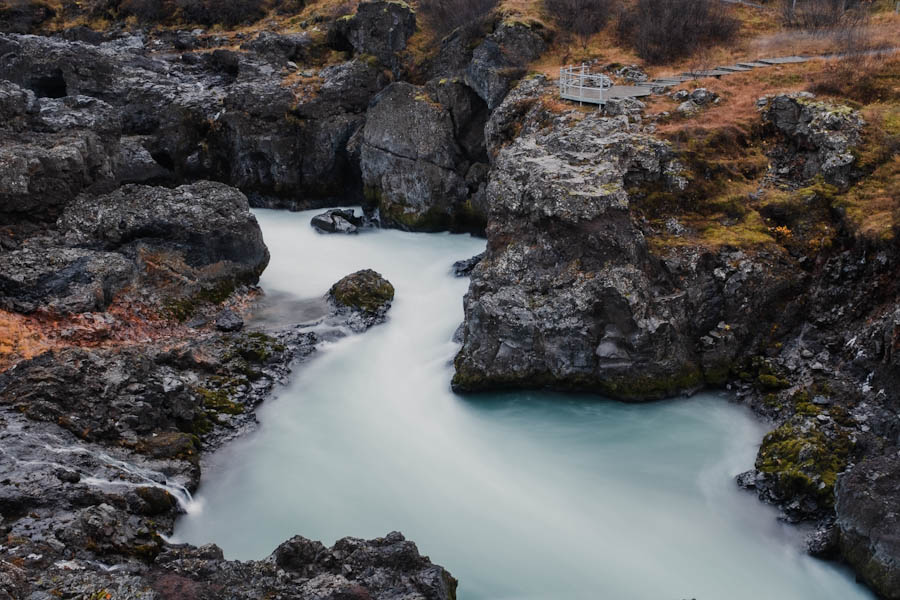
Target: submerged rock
x,y
464,268
337,221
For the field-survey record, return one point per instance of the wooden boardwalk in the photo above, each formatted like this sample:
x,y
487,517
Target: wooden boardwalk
x,y
583,91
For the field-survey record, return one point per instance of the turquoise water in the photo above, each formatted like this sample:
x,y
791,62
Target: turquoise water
x,y
519,495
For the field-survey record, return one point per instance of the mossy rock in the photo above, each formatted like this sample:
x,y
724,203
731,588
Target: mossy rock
x,y
219,401
804,461
364,290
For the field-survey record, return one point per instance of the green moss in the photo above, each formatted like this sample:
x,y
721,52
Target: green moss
x,y
183,309
254,347
771,382
219,401
365,290
804,461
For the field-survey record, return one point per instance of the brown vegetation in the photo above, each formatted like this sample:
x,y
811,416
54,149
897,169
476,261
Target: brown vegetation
x,y
663,30
445,16
581,18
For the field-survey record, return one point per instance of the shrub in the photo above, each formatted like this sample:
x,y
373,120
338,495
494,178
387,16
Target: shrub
x,y
581,18
444,16
146,11
662,30
202,12
813,15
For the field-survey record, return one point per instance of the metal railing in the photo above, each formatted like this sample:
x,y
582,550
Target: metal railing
x,y
580,85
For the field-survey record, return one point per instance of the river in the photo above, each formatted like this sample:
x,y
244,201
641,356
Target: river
x,y
519,495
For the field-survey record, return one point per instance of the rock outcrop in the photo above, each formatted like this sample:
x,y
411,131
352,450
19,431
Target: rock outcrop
x,y
379,28
219,115
500,60
419,156
820,137
567,294
52,149
169,248
869,524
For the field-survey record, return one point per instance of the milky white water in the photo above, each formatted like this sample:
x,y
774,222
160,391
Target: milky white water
x,y
519,495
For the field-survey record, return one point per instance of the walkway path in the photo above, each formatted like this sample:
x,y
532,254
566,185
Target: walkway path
x,y
618,92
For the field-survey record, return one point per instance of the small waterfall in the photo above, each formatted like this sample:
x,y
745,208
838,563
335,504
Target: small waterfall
x,y
95,466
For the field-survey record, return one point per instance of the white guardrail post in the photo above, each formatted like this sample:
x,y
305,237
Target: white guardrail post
x,y
580,85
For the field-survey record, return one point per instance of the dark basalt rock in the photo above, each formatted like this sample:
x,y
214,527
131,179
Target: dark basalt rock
x,y
204,233
464,268
280,48
228,320
220,115
869,524
416,149
364,290
53,149
820,137
500,60
567,294
379,28
61,280
337,221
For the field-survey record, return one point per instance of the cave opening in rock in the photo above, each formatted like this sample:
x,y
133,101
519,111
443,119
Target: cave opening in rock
x,y
52,85
163,159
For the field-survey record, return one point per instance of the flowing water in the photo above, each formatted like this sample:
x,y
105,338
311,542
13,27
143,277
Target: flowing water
x,y
519,495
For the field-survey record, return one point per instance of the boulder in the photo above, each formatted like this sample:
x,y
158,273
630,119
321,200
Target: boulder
x,y
365,291
336,221
464,268
500,60
198,239
379,28
229,321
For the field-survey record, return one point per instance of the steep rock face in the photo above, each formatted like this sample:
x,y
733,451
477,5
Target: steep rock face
x,y
500,60
415,153
869,523
820,137
379,28
220,115
567,294
52,149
